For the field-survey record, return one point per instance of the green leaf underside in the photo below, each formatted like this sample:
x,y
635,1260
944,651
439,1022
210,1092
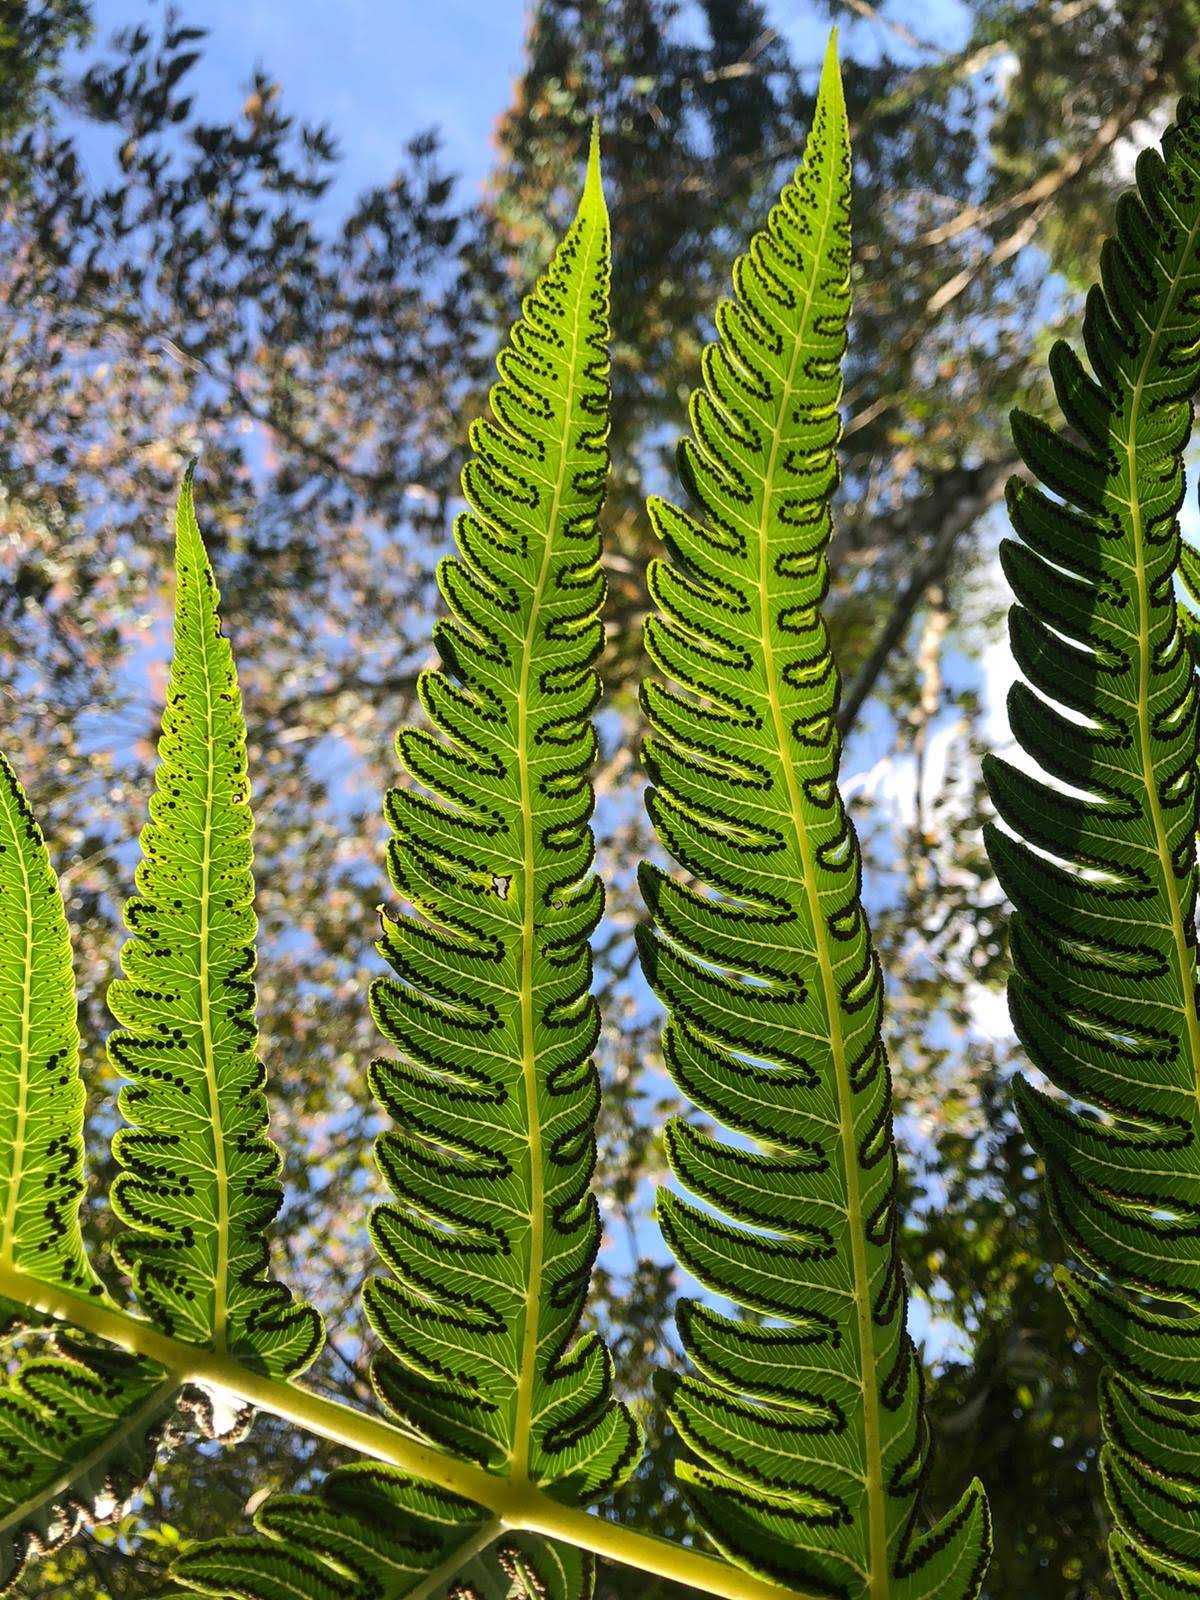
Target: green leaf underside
x,y
372,1534
200,1179
41,1093
805,1439
79,1432
493,1229
493,1090
1103,879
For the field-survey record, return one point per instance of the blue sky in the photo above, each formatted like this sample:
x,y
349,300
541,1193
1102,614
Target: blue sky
x,y
379,71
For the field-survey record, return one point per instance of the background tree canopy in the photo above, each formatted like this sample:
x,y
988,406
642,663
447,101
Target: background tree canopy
x,y
192,292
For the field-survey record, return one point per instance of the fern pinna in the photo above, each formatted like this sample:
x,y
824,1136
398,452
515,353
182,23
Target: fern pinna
x,y
201,1179
1098,855
493,1093
805,1442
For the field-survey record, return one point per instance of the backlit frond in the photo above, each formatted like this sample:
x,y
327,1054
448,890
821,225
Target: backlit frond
x,y
803,1425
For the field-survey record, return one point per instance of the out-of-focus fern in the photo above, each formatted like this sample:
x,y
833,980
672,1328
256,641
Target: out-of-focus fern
x,y
373,1532
493,1093
804,1437
1100,857
80,1430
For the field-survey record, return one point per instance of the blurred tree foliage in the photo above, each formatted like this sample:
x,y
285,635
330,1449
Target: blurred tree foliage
x,y
183,289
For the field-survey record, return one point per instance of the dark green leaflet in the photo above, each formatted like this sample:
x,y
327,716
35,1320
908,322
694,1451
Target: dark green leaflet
x,y
80,1428
372,1532
201,1179
492,1090
1103,877
805,1435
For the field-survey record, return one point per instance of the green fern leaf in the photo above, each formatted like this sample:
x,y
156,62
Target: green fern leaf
x,y
1100,863
372,1532
493,1091
41,1093
201,1179
804,1434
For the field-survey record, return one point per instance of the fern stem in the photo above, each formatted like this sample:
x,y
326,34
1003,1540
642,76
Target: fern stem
x,y
434,1585
516,1506
523,1423
220,1305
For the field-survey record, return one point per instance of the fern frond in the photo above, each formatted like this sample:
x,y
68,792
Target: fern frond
x,y
1100,857
200,1183
493,1092
804,1433
41,1093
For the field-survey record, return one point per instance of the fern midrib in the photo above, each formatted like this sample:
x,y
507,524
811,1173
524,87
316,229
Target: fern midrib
x,y
126,1426
877,1572
430,1587
1184,958
220,1171
527,1373
24,1052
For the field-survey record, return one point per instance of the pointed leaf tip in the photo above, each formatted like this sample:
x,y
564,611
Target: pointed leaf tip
x,y
830,86
185,504
593,187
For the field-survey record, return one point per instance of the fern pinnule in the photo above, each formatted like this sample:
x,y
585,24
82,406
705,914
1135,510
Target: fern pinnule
x,y
805,1442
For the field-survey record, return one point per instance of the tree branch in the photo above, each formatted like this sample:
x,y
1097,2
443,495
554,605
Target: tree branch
x,y
1049,184
956,504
